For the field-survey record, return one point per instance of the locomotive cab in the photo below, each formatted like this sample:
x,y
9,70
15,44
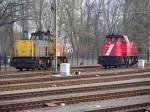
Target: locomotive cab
x,y
117,50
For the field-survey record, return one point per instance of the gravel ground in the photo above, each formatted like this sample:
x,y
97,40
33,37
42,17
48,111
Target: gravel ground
x,y
71,95
81,107
75,86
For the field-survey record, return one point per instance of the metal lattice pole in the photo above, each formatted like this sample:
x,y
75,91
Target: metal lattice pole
x,y
0,58
149,47
54,10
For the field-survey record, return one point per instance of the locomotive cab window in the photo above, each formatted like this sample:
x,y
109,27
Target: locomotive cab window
x,y
33,37
111,39
39,36
108,39
119,39
45,37
123,40
114,39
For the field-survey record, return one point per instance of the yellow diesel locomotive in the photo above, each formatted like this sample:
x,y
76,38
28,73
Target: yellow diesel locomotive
x,y
38,52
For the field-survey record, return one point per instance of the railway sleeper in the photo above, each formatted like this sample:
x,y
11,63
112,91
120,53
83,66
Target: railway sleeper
x,y
74,100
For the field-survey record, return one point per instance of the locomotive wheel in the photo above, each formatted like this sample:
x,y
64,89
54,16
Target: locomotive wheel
x,y
118,66
130,61
109,67
38,67
33,68
21,69
27,69
126,60
115,66
105,66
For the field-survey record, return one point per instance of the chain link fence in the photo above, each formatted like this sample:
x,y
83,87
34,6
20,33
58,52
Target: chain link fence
x,y
89,58
75,59
5,63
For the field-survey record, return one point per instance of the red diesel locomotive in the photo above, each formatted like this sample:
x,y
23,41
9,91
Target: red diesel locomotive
x,y
117,51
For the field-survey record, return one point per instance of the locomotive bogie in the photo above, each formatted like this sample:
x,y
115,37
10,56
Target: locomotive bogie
x,y
117,61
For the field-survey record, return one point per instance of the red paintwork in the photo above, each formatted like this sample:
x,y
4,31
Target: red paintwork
x,y
117,47
59,46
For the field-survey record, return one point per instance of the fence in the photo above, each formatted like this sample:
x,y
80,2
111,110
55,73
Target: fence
x,y
76,59
91,58
5,63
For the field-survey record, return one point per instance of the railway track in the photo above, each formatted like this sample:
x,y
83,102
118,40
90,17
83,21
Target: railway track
x,y
46,77
137,108
68,82
87,70
23,74
37,80
16,72
72,90
82,68
6,72
30,74
73,100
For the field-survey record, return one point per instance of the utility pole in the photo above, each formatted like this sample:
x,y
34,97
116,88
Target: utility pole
x,y
11,26
55,24
24,22
149,46
0,59
54,11
148,53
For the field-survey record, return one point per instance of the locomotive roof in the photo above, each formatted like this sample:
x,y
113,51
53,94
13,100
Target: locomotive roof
x,y
114,36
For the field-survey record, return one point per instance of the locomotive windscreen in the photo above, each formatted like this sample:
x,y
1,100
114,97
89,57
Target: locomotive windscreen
x,y
118,38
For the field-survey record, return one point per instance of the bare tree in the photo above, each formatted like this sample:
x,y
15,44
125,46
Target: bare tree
x,y
41,14
10,12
